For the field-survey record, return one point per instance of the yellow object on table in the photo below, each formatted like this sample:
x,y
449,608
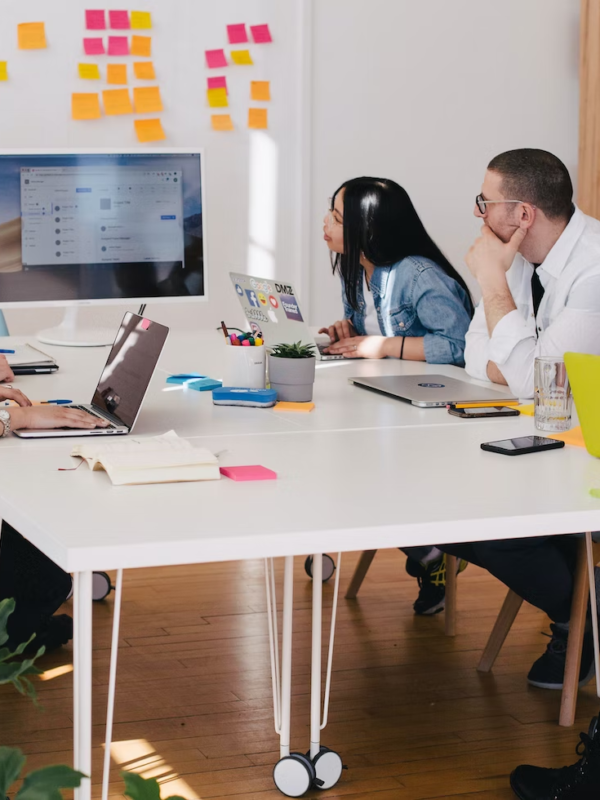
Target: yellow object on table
x,y
528,409
286,406
574,437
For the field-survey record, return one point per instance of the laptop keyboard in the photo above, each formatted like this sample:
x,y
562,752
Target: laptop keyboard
x,y
92,413
329,356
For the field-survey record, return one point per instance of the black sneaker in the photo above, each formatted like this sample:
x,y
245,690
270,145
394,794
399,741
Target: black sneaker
x,y
580,781
432,584
549,670
54,633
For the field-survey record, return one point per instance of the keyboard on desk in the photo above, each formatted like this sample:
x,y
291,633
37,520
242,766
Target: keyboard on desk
x,y
91,412
328,356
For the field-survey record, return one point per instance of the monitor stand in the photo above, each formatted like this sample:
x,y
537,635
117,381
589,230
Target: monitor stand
x,y
67,334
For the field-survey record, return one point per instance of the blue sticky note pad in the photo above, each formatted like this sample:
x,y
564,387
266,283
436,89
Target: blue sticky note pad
x,y
203,384
234,396
184,377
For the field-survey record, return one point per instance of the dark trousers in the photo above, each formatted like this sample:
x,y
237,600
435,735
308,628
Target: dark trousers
x,y
539,569
37,585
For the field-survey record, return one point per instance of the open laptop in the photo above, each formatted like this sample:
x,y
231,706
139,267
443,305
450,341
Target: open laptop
x,y
431,391
584,376
272,308
123,383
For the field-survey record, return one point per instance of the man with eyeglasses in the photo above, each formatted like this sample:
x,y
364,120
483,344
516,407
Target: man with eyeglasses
x,y
537,263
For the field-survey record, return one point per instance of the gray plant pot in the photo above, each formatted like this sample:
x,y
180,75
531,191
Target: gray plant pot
x,y
292,378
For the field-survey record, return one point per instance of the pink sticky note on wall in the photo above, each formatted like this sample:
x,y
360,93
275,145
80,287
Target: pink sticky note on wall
x,y
218,83
93,47
95,20
237,34
118,46
261,34
119,20
216,59
251,473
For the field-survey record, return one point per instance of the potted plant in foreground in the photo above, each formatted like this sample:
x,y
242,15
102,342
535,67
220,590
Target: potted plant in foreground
x,y
292,371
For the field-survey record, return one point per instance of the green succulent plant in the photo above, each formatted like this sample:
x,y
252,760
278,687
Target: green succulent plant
x,y
296,350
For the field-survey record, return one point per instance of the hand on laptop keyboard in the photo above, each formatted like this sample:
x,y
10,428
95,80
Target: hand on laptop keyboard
x,y
41,417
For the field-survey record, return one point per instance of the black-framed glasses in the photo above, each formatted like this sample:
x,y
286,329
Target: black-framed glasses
x,y
481,203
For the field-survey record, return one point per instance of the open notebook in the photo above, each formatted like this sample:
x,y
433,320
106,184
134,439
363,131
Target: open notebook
x,y
161,459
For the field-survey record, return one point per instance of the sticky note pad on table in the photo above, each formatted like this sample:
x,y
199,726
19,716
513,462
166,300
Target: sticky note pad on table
x,y
215,59
261,34
242,57
574,437
118,46
119,20
149,130
85,106
217,82
116,73
141,46
257,118
116,101
217,98
221,122
3,70
528,410
147,99
31,36
184,377
144,70
250,473
89,72
93,47
204,384
95,20
286,406
237,34
141,20
260,90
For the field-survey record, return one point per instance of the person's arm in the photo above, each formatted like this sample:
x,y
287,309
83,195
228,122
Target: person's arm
x,y
477,346
40,417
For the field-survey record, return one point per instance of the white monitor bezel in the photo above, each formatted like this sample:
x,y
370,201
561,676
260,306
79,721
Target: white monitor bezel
x,y
113,301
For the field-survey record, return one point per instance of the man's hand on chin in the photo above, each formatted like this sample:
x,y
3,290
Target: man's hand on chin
x,y
494,374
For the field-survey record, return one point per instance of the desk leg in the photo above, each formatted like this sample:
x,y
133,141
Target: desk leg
x,y
82,681
112,682
286,657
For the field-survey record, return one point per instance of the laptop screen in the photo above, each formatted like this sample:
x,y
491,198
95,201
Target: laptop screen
x,y
129,368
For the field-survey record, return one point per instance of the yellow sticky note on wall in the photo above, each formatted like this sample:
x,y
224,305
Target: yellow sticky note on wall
x,y
3,70
144,70
141,46
217,98
116,73
221,122
116,101
149,130
89,72
257,118
31,36
147,99
140,20
260,90
242,57
85,106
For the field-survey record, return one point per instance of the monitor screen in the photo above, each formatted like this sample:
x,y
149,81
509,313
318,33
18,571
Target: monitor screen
x,y
100,227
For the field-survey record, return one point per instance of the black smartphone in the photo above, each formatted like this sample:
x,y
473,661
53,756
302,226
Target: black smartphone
x,y
483,411
522,445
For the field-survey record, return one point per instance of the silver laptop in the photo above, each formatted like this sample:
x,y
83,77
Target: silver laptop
x,y
431,391
272,308
123,383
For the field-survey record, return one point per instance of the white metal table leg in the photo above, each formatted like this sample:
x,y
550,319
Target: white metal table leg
x,y
315,673
286,657
82,681
112,681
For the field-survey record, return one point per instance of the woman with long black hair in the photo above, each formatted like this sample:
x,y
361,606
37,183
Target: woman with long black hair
x,y
402,297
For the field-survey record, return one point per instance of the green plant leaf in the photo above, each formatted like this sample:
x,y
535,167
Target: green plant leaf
x,y
7,607
11,764
296,350
139,788
46,783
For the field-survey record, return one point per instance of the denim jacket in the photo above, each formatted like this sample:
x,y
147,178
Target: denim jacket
x,y
415,297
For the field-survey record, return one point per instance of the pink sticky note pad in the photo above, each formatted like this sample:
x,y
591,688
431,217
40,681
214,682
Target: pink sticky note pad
x,y
261,34
251,473
217,83
119,20
237,34
216,59
118,46
95,20
93,47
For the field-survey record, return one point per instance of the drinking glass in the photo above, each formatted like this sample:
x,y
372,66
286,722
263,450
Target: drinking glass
x,y
552,395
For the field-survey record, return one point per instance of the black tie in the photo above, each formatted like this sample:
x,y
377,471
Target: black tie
x,y
537,290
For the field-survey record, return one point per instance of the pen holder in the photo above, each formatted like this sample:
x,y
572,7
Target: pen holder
x,y
244,367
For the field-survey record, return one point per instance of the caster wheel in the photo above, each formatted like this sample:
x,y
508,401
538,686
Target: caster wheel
x,y
294,775
328,566
101,586
328,766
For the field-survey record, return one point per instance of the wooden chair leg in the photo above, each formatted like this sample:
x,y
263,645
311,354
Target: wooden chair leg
x,y
568,702
450,609
506,617
359,573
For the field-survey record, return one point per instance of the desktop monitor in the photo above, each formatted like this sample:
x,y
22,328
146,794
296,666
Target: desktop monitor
x,y
100,227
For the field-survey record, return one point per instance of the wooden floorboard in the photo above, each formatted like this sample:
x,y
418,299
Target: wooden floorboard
x,y
410,714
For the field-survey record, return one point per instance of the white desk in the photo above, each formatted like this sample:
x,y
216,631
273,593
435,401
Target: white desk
x,y
361,472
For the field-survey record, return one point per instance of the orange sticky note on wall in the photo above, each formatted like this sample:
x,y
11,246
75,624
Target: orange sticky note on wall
x,y
257,118
144,70
221,122
149,130
85,106
3,70
116,101
217,98
147,99
241,57
260,90
31,35
116,73
141,46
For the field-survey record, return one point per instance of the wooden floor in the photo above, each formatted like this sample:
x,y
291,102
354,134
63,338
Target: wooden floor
x,y
409,713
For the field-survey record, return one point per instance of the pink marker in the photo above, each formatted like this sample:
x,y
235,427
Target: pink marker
x,y
245,343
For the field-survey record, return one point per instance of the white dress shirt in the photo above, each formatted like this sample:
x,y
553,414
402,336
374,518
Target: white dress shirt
x,y
568,318
371,319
